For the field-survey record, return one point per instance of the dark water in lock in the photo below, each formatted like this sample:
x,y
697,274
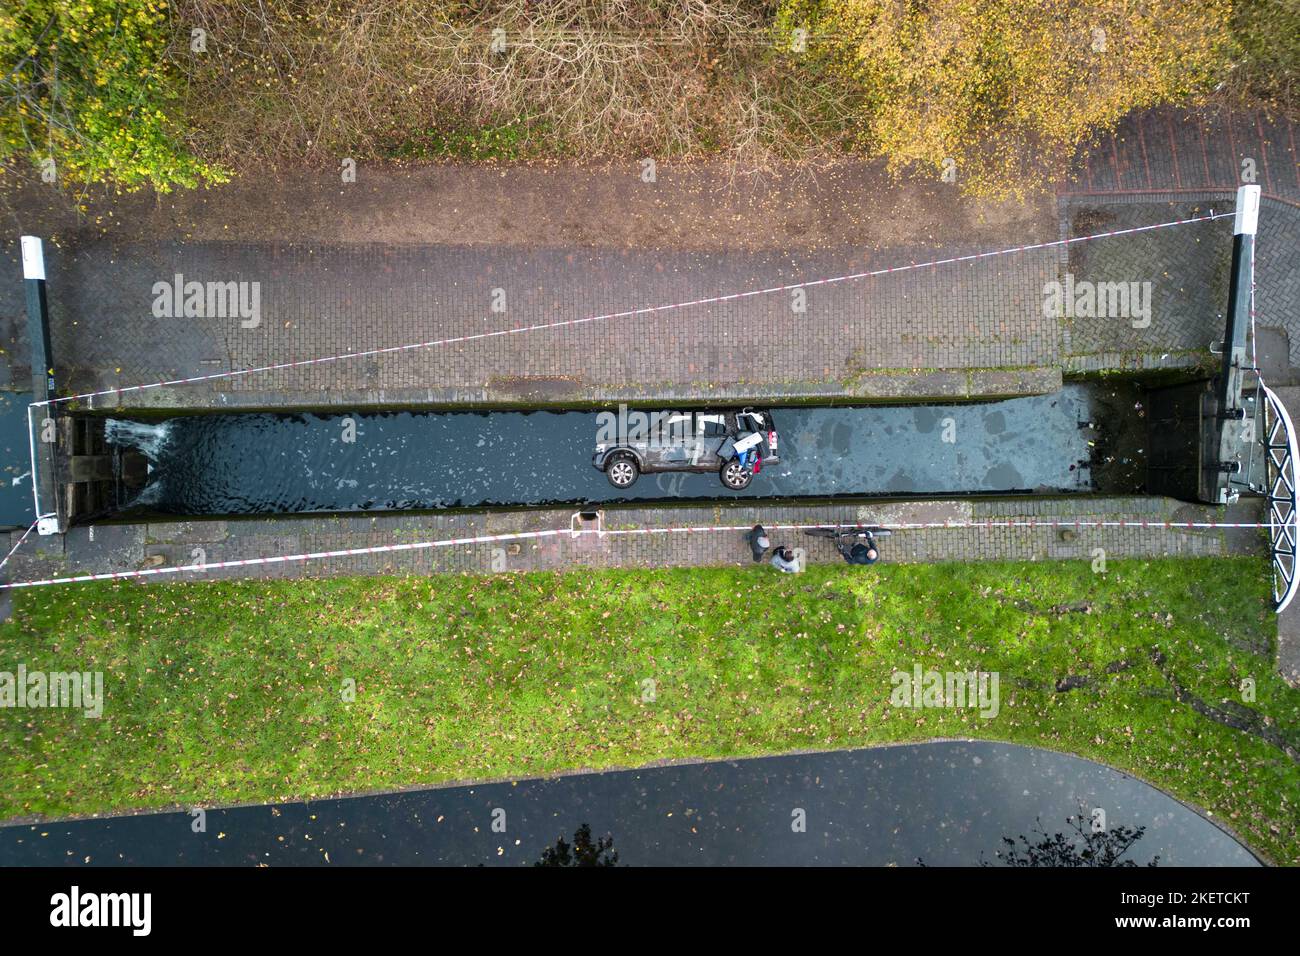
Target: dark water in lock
x,y
946,804
17,508
1083,438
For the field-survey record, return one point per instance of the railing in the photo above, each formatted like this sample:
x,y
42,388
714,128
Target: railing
x,y
1280,449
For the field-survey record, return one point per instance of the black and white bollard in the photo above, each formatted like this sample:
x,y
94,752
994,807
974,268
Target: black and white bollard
x,y
1232,425
40,414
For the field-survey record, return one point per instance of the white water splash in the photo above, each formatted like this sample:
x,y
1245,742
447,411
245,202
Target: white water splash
x,y
148,438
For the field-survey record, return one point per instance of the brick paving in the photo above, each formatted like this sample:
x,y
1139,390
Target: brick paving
x,y
319,301
114,548
1186,270
964,330
1167,159
1169,148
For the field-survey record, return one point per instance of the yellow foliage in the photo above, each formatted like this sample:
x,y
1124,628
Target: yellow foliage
x,y
1005,90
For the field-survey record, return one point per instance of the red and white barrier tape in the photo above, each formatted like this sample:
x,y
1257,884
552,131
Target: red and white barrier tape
x,y
379,549
990,524
30,529
647,310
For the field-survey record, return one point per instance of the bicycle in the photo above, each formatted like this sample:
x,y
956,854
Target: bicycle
x,y
846,538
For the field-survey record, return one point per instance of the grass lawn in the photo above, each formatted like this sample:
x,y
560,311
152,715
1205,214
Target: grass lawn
x,y
227,692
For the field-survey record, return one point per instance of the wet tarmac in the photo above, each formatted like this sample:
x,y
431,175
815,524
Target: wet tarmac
x,y
940,804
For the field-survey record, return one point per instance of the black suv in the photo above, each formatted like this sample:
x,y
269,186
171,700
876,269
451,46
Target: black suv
x,y
692,441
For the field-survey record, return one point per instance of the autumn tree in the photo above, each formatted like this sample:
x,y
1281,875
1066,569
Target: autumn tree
x,y
88,93
1000,94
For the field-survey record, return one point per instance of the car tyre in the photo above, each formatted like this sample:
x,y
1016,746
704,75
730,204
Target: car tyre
x,y
735,475
622,471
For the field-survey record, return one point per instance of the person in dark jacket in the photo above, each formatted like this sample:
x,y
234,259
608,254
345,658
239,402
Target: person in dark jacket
x,y
861,553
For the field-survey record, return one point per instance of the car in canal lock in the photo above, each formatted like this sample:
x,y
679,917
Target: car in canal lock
x,y
733,443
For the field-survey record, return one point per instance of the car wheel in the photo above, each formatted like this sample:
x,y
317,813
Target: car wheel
x,y
622,472
735,475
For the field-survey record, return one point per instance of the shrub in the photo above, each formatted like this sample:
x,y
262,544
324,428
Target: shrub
x,y
1266,34
88,87
1004,91
578,79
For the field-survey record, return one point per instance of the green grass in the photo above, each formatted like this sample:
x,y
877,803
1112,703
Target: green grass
x,y
226,692
508,141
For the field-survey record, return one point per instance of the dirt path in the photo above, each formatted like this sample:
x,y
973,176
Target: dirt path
x,y
688,207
